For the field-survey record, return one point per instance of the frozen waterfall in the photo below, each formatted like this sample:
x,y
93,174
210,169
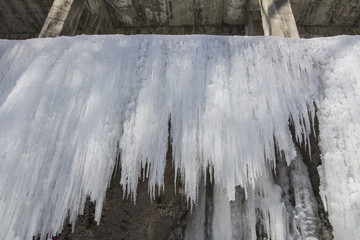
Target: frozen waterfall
x,y
70,105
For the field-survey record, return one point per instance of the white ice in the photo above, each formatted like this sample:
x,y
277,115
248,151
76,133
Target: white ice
x,y
68,106
339,123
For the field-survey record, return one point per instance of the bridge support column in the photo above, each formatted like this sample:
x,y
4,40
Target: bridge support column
x,y
62,18
278,19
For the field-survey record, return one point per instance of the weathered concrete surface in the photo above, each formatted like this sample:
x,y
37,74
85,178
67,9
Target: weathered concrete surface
x,y
20,19
320,31
277,18
18,36
210,29
219,17
209,12
73,17
95,19
254,22
235,12
326,12
62,18
133,14
316,18
157,13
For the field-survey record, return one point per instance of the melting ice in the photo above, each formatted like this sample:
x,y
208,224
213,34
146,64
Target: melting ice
x,y
69,106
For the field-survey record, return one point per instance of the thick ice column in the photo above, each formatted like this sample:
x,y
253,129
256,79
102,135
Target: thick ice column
x,y
278,19
62,18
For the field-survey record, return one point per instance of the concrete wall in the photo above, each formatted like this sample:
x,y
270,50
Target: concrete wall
x,y
176,13
320,31
326,12
21,19
65,15
254,21
176,30
95,19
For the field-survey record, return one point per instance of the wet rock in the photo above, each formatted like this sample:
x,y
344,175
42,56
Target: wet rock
x,y
161,218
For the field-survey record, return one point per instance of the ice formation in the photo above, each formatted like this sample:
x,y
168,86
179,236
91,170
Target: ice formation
x,y
269,204
339,123
69,106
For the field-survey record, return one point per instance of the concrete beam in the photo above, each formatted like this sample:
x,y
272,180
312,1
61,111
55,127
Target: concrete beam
x,y
62,18
175,30
278,19
18,36
326,31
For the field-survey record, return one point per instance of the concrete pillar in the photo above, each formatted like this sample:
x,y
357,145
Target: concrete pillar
x,y
278,19
62,18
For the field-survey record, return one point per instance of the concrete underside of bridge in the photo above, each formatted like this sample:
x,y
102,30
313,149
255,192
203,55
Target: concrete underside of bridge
x,y
22,19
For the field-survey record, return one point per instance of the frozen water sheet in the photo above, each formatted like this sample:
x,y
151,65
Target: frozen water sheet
x,y
68,106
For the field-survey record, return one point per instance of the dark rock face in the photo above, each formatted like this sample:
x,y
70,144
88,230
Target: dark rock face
x,y
162,218
312,160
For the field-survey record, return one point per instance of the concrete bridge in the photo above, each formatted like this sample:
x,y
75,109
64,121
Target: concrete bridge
x,y
22,19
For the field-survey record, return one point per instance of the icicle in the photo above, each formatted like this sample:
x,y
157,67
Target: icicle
x,y
67,103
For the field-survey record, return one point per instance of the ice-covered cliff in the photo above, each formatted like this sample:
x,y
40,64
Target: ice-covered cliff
x,y
69,106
